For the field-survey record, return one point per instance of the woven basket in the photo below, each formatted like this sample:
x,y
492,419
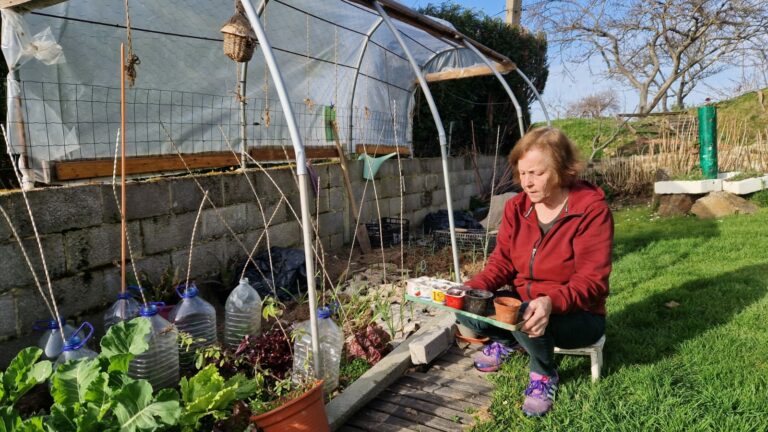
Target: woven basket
x,y
239,39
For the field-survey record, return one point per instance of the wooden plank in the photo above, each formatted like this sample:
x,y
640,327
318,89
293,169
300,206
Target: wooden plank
x,y
415,416
475,397
28,5
467,72
487,320
452,417
273,153
378,421
84,169
451,401
447,380
378,149
362,231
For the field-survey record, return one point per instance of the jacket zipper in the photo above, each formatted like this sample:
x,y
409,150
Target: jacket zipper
x,y
535,248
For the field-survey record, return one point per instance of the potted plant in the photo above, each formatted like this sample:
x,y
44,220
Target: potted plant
x,y
164,290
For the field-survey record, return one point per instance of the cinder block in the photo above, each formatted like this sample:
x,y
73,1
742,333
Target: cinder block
x,y
207,258
144,199
414,183
151,268
94,247
438,198
410,166
272,214
58,209
167,232
287,234
431,182
337,199
185,194
213,222
7,316
14,271
331,223
431,344
14,206
81,292
395,205
238,187
412,202
30,307
335,177
336,243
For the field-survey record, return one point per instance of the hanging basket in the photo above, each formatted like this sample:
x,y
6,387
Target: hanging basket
x,y
239,38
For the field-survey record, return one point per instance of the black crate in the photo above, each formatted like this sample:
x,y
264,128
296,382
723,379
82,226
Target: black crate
x,y
389,231
466,240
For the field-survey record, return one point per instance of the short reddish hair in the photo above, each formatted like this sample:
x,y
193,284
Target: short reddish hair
x,y
563,156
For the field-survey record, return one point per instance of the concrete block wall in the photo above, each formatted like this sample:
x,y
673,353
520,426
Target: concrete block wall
x,y
79,226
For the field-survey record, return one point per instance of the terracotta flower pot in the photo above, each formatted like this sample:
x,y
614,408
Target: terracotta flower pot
x,y
305,413
506,309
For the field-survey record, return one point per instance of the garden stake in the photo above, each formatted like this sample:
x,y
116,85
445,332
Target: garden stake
x,y
122,165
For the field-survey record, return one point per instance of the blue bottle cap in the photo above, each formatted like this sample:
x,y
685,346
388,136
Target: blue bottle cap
x,y
148,310
324,312
187,291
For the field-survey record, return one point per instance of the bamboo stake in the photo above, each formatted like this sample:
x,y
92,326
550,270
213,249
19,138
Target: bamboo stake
x,y
122,169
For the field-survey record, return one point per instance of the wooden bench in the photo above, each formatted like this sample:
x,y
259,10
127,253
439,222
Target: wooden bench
x,y
595,353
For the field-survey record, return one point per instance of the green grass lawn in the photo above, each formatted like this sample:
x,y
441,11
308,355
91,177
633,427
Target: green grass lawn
x,y
701,366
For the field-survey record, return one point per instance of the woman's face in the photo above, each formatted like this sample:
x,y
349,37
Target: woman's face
x,y
536,176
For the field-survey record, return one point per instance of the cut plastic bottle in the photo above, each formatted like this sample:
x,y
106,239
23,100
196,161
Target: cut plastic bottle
x,y
331,343
125,308
51,341
196,317
159,364
76,348
242,314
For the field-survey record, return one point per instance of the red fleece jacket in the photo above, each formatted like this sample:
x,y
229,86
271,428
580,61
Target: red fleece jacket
x,y
570,264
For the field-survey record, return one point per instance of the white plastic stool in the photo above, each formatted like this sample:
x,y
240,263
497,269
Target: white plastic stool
x,y
595,353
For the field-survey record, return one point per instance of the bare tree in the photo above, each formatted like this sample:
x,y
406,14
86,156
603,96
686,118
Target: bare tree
x,y
652,44
595,105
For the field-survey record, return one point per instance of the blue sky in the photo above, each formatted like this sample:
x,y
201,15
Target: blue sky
x,y
568,83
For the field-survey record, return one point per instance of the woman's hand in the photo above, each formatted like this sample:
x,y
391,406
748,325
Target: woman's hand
x,y
536,316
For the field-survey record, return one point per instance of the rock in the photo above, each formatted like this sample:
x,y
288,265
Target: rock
x,y
675,204
661,175
720,203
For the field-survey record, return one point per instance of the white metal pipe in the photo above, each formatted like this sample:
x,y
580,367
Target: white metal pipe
x,y
363,49
503,84
440,133
536,92
301,171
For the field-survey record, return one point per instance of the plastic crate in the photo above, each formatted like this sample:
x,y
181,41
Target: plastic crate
x,y
388,232
468,240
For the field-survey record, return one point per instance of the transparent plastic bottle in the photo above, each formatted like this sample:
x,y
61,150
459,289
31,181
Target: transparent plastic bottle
x,y
51,341
242,314
124,309
159,364
196,317
75,347
331,343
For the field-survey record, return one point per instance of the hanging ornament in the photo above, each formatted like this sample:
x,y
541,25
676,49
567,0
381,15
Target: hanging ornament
x,y
239,38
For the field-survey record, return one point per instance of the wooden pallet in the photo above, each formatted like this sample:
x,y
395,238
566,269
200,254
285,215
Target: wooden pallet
x,y
444,398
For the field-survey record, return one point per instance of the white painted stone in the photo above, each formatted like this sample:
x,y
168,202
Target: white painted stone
x,y
746,186
688,186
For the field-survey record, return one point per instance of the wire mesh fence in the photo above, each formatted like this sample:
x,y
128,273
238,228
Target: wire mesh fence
x,y
67,122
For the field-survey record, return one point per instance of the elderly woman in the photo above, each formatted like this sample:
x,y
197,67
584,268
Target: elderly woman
x,y
554,250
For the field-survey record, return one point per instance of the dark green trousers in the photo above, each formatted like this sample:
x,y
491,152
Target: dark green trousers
x,y
574,330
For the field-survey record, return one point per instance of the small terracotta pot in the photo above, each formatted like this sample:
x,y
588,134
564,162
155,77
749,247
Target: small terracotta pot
x,y
305,413
454,298
506,309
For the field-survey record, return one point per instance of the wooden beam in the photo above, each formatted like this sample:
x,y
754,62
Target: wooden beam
x,y
467,72
28,4
409,16
378,149
279,154
93,168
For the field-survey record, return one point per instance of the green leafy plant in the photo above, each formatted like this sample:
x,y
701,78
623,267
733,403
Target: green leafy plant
x,y
98,395
208,394
163,290
760,198
24,373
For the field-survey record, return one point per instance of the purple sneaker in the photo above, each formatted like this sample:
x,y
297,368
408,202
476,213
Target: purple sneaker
x,y
492,357
540,394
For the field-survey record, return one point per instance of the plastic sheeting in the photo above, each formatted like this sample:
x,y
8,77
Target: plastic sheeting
x,y
330,53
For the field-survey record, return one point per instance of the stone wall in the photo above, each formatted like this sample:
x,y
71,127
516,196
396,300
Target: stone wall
x,y
80,227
